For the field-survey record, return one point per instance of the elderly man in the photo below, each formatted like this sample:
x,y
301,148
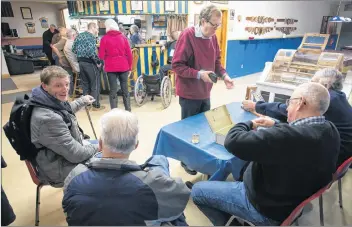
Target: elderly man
x,y
112,190
70,56
339,111
85,49
196,56
288,162
54,127
47,38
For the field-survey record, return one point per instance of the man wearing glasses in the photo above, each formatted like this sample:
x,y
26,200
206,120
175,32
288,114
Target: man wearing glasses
x,y
196,56
288,163
339,111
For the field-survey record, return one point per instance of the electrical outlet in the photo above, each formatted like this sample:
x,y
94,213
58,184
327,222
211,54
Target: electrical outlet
x,y
242,66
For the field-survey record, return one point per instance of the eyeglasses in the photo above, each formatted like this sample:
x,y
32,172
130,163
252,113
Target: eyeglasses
x,y
214,25
289,100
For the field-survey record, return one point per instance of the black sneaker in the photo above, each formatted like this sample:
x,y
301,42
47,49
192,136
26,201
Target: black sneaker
x,y
188,170
189,184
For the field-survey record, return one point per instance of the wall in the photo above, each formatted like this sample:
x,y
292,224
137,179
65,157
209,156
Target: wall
x,y
38,10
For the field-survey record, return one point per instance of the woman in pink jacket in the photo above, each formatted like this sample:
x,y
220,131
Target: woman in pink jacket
x,y
116,53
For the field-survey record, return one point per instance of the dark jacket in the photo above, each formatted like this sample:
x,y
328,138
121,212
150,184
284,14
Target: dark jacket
x,y
288,163
170,46
7,214
47,38
339,113
118,192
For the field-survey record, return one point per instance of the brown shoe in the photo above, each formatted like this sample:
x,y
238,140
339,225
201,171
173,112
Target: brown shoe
x,y
98,109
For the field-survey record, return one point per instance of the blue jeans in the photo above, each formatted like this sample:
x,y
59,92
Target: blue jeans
x,y
220,200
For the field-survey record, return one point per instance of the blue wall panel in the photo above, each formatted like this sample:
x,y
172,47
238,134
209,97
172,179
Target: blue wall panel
x,y
253,54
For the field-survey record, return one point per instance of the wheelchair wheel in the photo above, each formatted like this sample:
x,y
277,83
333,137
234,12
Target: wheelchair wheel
x,y
166,92
140,91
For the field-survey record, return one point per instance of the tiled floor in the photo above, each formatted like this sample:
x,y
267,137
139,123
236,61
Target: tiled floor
x,y
21,191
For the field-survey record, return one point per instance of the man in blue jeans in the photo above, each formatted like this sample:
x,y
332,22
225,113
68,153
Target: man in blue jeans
x,y
288,162
111,190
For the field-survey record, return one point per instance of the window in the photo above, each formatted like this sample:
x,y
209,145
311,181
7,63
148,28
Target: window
x,y
6,9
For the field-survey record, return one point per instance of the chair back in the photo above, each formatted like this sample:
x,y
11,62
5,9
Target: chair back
x,y
298,210
342,170
33,172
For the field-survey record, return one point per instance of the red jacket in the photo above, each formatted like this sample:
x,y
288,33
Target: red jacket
x,y
191,55
115,51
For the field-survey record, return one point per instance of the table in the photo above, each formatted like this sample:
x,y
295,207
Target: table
x,y
207,157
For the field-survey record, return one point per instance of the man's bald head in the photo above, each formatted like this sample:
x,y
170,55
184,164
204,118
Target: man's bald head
x,y
307,100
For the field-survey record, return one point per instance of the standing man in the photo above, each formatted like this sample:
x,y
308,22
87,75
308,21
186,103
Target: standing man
x,y
47,38
85,48
196,56
71,57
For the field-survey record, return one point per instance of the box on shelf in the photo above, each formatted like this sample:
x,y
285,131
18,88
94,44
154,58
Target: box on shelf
x,y
220,123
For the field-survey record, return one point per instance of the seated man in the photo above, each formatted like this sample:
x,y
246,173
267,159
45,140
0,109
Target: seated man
x,y
289,163
112,190
170,46
54,127
339,111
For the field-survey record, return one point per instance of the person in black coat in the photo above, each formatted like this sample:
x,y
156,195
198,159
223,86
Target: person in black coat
x,y
7,214
47,37
339,111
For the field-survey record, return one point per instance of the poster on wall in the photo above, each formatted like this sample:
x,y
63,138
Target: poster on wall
x,y
169,6
104,5
44,22
30,27
80,6
26,13
137,5
232,14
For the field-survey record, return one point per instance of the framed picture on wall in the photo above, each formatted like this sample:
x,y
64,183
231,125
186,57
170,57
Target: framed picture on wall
x,y
220,2
44,22
169,6
137,5
26,13
104,5
30,27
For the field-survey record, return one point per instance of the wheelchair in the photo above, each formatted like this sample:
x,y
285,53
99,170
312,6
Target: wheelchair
x,y
153,85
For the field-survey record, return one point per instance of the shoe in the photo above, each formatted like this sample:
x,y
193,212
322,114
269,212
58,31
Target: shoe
x,y
189,184
188,170
98,109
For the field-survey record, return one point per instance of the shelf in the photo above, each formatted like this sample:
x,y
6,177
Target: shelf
x,y
9,38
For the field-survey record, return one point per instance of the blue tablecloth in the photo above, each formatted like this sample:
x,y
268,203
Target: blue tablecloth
x,y
206,157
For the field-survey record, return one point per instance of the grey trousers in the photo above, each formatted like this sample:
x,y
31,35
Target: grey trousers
x,y
90,80
123,78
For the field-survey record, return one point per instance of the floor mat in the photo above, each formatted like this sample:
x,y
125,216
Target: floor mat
x,y
12,97
7,84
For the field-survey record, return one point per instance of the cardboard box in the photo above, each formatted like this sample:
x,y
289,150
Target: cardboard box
x,y
220,123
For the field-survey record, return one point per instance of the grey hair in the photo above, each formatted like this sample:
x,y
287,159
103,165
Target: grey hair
x,y
119,131
70,33
92,25
208,11
134,28
53,25
52,72
316,95
330,78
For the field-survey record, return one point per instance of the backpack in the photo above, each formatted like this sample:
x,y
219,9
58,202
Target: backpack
x,y
18,128
154,60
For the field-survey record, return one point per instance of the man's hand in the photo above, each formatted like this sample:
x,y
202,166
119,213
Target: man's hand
x,y
230,83
88,99
266,122
162,48
248,105
99,65
204,75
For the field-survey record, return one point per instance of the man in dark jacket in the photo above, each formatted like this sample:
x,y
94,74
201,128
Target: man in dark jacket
x,y
288,162
339,111
47,38
111,190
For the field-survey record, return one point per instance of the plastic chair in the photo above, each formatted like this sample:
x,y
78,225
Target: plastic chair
x,y
340,172
297,212
34,175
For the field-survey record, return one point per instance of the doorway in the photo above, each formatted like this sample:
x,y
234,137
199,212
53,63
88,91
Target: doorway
x,y
221,35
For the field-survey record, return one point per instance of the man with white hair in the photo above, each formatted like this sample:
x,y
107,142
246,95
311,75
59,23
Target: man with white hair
x,y
111,190
288,162
339,111
47,38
